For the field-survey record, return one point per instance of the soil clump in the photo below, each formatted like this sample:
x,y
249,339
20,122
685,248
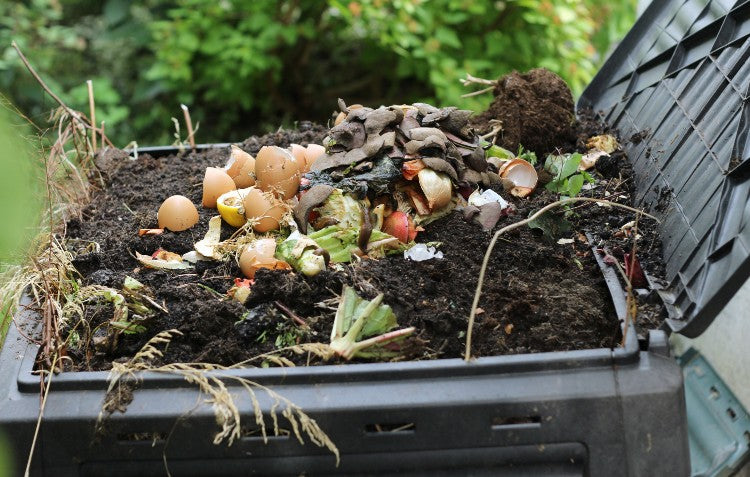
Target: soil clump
x,y
535,110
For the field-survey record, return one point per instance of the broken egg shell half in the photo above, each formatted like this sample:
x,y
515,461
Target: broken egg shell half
x,y
522,174
241,168
215,183
312,153
277,171
260,254
231,207
299,153
263,209
401,226
436,187
177,213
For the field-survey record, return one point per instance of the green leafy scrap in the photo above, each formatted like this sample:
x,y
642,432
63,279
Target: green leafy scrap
x,y
567,180
553,226
362,328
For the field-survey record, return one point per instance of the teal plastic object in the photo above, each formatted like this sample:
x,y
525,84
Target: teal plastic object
x,y
718,425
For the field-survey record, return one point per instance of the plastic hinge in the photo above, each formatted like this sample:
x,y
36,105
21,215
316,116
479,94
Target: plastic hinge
x,y
718,425
658,343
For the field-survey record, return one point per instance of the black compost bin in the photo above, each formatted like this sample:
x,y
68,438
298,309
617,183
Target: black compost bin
x,y
678,84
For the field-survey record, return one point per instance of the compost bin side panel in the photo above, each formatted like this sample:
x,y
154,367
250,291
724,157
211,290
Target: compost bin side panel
x,y
566,420
677,90
656,396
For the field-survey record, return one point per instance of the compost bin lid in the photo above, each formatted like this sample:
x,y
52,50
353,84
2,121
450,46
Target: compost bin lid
x,y
676,88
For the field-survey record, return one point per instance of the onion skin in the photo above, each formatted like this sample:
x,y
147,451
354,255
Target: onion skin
x,y
436,187
400,225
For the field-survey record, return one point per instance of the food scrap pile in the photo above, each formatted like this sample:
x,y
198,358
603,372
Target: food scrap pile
x,y
367,238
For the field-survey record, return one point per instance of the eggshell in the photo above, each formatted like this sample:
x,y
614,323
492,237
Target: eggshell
x,y
312,153
237,159
299,153
277,171
177,213
241,168
260,254
522,174
264,209
215,183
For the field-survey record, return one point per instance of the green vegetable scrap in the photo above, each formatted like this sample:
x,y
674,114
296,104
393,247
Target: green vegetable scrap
x,y
568,181
302,253
357,319
553,226
526,155
341,209
341,243
499,152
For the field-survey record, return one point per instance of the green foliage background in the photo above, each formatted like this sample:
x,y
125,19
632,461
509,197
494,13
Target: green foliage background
x,y
247,66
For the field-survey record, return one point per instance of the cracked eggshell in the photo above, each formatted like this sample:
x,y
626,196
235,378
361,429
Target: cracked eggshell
x,y
177,213
522,174
263,209
215,183
312,153
299,153
260,254
277,171
241,168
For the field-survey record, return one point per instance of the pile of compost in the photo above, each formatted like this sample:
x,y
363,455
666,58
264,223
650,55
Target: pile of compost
x,y
541,292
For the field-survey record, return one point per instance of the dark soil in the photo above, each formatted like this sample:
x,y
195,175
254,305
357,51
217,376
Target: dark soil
x,y
538,296
536,110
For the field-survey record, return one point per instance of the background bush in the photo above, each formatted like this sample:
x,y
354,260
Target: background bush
x,y
247,66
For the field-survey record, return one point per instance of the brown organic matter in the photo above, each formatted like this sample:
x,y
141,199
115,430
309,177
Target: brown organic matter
x,y
538,296
536,110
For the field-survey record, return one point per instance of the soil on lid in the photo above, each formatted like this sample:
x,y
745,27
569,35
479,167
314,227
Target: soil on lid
x,y
538,295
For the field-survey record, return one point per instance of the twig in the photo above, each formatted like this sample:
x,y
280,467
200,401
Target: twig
x,y
92,112
73,114
36,76
39,419
292,315
474,80
189,124
477,93
497,127
520,223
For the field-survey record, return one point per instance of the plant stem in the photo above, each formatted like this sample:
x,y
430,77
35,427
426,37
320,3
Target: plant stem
x,y
292,315
189,124
381,339
477,93
360,321
39,419
520,223
73,114
92,111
